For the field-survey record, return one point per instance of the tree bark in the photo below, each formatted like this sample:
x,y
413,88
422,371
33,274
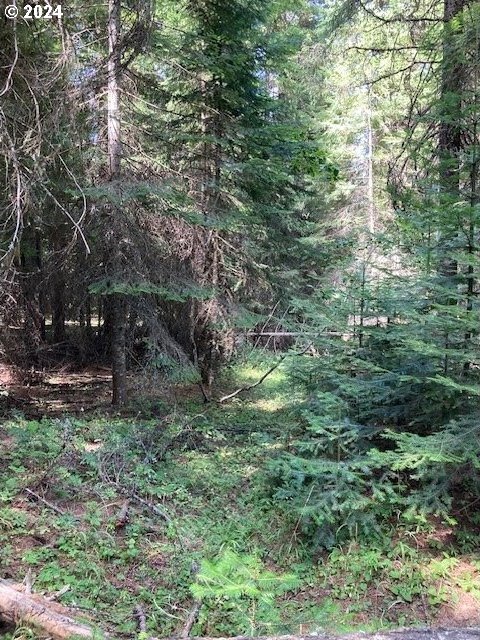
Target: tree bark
x,y
117,302
450,139
119,360
449,148
113,94
18,607
58,308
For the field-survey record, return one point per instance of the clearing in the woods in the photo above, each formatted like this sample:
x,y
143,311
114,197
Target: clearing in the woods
x,y
168,507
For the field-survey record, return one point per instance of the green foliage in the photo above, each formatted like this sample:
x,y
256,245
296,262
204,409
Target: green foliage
x,y
227,583
391,422
265,579
330,481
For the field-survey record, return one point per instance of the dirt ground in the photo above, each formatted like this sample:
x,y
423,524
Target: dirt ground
x,y
56,392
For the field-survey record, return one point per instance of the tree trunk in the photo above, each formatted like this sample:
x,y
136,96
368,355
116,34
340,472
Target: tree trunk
x,y
113,94
370,184
58,308
88,315
470,275
119,360
450,140
116,301
33,321
449,148
41,291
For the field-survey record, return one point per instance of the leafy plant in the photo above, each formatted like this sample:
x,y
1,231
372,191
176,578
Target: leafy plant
x,y
237,590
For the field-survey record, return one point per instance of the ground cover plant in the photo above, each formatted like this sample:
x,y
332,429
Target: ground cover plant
x,y
203,525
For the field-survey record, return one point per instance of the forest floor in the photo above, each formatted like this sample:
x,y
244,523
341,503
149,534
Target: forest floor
x,y
173,501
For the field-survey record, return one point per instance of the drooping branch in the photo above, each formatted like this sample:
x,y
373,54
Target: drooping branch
x,y
398,19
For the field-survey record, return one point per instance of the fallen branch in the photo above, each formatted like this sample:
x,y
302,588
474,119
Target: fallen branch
x,y
123,517
141,618
149,505
265,375
192,617
58,594
18,607
28,581
45,502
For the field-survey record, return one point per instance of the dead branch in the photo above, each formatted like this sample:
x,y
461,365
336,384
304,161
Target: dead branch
x,y
45,502
123,517
409,67
285,334
141,618
58,594
146,503
28,581
399,18
192,616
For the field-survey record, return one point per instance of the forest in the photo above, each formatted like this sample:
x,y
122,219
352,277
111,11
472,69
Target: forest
x,y
239,317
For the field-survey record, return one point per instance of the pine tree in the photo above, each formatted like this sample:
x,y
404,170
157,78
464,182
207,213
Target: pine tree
x,y
401,384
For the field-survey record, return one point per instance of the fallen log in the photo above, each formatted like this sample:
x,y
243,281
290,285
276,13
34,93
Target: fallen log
x,y
17,607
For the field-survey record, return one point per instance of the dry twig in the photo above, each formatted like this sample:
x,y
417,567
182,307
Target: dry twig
x,y
45,502
192,616
141,618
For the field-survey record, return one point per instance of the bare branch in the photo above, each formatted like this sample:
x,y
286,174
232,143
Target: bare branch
x,y
397,19
8,81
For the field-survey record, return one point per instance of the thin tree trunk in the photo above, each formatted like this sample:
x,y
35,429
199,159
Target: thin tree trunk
x,y
41,291
88,314
113,96
116,301
471,243
370,186
450,138
58,308
449,148
119,360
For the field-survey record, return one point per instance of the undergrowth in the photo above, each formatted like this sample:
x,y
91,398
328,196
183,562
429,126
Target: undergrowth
x,y
204,524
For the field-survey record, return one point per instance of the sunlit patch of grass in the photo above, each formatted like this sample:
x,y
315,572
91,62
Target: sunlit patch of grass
x,y
270,405
249,373
275,393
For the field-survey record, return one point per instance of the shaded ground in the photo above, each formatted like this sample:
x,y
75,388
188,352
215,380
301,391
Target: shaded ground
x,y
55,393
